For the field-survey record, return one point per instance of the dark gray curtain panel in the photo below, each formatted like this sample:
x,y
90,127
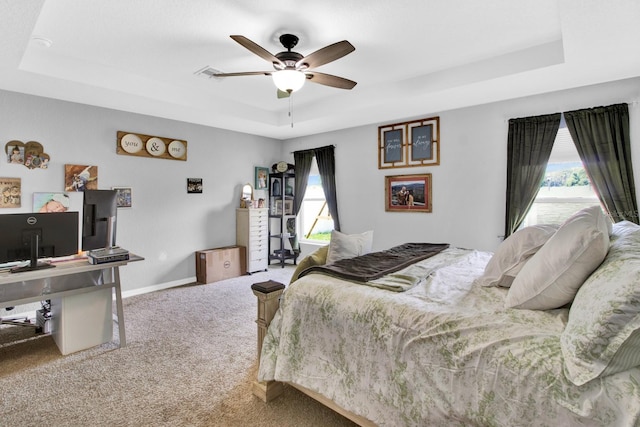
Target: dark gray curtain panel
x,y
327,167
529,144
601,136
302,160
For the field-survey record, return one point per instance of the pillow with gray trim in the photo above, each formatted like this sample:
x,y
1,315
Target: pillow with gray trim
x,y
514,252
551,278
344,246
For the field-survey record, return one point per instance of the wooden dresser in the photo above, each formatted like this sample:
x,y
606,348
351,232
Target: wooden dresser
x,y
252,232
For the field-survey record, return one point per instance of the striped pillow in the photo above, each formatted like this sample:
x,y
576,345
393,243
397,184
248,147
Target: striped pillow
x,y
602,336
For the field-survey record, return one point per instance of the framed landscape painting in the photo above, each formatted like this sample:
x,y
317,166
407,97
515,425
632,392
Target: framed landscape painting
x,y
408,193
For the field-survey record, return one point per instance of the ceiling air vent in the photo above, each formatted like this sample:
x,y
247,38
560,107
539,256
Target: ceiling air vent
x,y
207,72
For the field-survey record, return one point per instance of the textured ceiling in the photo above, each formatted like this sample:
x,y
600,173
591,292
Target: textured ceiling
x,y
412,58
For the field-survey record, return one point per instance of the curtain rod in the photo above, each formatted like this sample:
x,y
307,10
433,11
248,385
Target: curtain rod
x,y
634,103
311,149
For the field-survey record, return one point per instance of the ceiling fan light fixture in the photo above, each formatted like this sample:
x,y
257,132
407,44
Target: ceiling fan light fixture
x,y
288,80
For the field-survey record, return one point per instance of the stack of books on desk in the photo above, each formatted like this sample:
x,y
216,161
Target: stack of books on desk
x,y
113,254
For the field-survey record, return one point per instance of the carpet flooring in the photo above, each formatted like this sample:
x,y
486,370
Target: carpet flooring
x,y
190,360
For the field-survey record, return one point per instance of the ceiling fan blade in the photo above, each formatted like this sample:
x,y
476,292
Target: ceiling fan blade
x,y
283,94
258,50
329,80
245,73
326,54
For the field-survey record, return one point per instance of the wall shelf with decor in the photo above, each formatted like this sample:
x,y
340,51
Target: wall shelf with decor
x,y
282,232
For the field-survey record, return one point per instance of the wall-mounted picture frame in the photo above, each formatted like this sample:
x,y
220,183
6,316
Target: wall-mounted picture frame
x,y
30,154
392,146
288,207
276,209
51,202
124,197
408,193
80,177
11,192
141,145
407,144
194,185
261,178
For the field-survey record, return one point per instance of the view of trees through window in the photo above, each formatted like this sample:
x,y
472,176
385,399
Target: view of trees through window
x,y
314,219
566,187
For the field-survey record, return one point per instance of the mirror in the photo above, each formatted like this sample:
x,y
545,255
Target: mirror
x,y
246,199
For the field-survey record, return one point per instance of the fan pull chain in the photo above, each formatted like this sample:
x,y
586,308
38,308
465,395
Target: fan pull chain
x,y
291,108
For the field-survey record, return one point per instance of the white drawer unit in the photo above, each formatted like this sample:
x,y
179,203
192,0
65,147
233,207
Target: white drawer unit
x,y
252,232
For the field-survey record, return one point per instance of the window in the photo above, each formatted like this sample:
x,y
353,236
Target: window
x,y
566,187
313,219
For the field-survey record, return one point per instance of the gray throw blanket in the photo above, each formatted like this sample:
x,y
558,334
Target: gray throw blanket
x,y
375,265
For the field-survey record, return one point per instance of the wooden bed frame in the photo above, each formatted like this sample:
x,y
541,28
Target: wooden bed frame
x,y
268,294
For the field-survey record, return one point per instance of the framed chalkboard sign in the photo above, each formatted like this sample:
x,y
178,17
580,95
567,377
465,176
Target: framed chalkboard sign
x,y
393,147
421,142
414,143
424,149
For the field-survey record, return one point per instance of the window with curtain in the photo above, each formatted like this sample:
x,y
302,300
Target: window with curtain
x,y
566,187
314,219
602,140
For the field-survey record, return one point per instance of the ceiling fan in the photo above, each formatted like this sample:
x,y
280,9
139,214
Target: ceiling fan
x,y
291,69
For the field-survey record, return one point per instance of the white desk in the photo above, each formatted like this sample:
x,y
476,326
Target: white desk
x,y
67,279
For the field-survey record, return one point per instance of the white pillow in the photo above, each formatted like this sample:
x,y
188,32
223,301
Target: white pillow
x,y
344,246
551,278
513,253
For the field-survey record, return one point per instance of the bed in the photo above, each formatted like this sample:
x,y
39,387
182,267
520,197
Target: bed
x,y
542,332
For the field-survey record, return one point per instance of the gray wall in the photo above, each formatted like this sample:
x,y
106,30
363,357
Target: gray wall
x,y
469,185
165,225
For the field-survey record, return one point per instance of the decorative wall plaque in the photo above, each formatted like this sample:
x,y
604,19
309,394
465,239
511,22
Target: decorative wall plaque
x,y
136,144
10,192
414,143
31,154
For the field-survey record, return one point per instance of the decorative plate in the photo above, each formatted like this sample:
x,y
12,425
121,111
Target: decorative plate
x,y
155,146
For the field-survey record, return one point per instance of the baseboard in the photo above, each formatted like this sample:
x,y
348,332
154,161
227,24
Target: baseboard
x,y
158,287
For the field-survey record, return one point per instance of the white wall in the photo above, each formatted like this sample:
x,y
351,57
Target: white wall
x,y
165,225
469,185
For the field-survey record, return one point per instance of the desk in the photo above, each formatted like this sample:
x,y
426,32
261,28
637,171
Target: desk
x,y
67,279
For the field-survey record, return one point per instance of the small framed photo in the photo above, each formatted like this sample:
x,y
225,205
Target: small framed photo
x,y
80,177
51,202
277,208
194,185
123,197
408,193
288,207
261,178
11,192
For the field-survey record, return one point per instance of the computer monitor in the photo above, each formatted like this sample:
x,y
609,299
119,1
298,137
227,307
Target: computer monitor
x,y
30,236
99,219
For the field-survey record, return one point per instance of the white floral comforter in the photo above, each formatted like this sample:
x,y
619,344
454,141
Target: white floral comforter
x,y
445,352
